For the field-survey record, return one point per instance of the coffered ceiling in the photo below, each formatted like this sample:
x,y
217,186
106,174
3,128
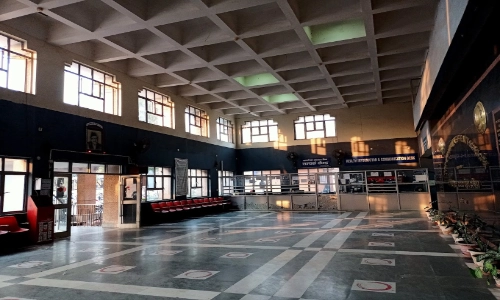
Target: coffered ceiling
x,y
246,57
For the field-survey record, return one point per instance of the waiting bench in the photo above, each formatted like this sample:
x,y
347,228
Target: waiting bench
x,y
11,234
183,208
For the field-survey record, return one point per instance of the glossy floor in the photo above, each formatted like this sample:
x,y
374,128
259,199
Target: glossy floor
x,y
249,256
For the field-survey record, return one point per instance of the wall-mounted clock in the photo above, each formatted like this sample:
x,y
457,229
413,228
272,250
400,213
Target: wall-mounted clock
x,y
480,117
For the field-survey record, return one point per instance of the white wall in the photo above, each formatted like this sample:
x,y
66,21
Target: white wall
x,y
448,16
361,123
49,92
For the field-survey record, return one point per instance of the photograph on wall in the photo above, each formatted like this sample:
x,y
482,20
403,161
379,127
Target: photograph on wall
x,y
94,137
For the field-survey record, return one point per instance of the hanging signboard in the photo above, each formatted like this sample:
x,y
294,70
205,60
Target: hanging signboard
x,y
316,162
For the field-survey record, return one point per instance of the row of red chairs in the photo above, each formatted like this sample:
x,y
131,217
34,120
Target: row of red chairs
x,y
185,205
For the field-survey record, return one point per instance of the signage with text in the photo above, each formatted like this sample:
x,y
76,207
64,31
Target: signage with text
x,y
316,162
381,159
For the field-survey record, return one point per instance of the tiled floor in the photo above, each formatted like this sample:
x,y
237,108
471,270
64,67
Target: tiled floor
x,y
249,256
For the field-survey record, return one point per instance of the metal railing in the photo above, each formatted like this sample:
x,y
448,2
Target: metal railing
x,y
86,215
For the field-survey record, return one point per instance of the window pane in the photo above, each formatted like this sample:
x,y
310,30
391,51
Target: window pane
x,y
16,165
94,168
80,168
158,171
166,188
151,170
14,193
151,182
154,195
159,182
70,88
142,110
299,131
114,169
167,171
330,128
58,166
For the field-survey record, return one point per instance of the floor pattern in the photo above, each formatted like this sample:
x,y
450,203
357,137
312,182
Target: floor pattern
x,y
249,256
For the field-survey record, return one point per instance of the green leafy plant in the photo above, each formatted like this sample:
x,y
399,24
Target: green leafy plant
x,y
489,268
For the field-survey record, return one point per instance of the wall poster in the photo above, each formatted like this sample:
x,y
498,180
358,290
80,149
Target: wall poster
x,y
181,177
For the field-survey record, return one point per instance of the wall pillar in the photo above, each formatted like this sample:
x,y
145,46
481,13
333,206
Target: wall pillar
x,y
110,216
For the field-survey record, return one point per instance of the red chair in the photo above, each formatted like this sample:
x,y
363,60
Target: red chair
x,y
156,207
201,203
214,202
9,223
191,204
164,207
177,205
206,203
184,205
171,207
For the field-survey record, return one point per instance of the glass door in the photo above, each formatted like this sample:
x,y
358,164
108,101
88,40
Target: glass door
x,y
61,199
130,202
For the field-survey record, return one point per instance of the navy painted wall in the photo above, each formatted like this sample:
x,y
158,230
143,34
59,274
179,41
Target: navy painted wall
x,y
274,159
19,136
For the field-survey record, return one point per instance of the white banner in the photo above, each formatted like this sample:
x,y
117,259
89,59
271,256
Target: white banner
x,y
181,177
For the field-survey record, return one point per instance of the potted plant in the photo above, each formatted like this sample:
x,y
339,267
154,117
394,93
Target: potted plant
x,y
479,250
489,266
467,242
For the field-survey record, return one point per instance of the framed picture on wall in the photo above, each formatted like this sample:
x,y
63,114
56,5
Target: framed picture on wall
x,y
496,124
94,137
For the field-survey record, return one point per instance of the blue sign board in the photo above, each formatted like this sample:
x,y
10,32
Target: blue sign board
x,y
316,162
381,159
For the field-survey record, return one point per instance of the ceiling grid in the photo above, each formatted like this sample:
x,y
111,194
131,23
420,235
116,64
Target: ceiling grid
x,y
248,57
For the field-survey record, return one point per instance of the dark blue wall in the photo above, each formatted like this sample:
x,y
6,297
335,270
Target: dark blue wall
x,y
19,136
274,159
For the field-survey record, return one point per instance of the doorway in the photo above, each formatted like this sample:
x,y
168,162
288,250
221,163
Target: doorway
x,y
89,195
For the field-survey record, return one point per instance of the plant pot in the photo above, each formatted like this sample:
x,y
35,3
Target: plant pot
x,y
497,281
465,248
446,230
474,255
454,236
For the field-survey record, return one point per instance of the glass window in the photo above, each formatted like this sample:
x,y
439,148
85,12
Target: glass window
x,y
226,182
94,168
196,121
318,126
17,65
85,87
155,108
114,169
157,184
15,165
259,131
61,166
13,180
224,130
14,190
198,183
79,168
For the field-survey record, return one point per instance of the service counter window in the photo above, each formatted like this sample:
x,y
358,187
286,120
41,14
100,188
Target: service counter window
x,y
412,181
13,184
352,183
261,182
381,181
